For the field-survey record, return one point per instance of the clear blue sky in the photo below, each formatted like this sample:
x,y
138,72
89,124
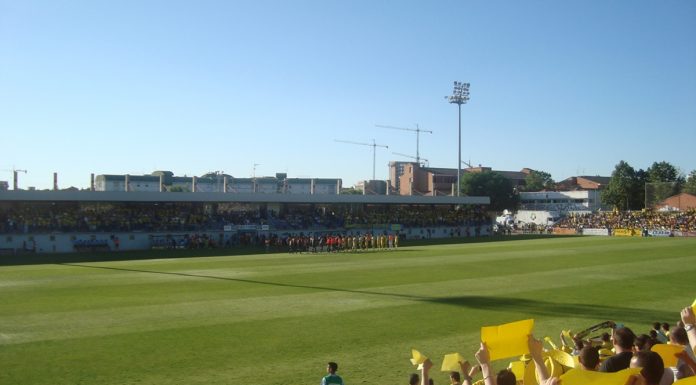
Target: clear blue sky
x,y
116,87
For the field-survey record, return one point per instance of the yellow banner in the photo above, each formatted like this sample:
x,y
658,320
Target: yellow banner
x,y
451,362
588,377
563,231
668,353
507,340
626,233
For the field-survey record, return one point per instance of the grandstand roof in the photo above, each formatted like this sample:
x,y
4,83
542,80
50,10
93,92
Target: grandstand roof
x,y
137,196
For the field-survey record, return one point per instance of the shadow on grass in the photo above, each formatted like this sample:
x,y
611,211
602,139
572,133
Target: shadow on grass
x,y
493,238
242,280
110,256
493,303
129,255
554,309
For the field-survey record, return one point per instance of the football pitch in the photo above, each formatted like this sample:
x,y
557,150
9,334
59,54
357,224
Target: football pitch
x,y
272,319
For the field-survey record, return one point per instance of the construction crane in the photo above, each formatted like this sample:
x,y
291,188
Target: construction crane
x,y
417,130
412,157
15,176
374,151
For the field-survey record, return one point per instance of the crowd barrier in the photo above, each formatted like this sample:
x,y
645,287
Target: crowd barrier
x,y
564,231
602,232
659,233
636,233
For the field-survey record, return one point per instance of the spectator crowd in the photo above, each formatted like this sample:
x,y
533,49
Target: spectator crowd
x,y
660,356
639,220
159,217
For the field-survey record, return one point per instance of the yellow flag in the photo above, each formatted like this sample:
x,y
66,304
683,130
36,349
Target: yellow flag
x,y
451,362
530,374
667,352
507,340
693,306
550,342
517,368
563,358
686,381
588,377
417,358
553,368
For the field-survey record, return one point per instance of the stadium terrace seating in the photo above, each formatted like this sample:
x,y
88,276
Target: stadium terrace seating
x,y
644,219
33,219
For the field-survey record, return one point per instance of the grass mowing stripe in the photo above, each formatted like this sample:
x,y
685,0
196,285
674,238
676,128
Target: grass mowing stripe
x,y
181,314
434,298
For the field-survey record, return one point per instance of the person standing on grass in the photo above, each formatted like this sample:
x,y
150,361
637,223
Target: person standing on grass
x,y
332,378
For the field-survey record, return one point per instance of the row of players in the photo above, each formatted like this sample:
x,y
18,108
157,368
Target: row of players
x,y
341,242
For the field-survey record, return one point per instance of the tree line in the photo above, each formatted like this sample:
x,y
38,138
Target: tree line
x,y
629,189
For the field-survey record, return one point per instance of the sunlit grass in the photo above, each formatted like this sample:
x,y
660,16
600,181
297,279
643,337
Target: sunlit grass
x,y
278,318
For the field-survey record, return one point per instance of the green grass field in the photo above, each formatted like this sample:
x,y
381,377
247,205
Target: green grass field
x,y
278,318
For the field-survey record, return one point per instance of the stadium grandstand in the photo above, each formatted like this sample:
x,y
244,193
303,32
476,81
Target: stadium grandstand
x,y
65,221
630,223
562,201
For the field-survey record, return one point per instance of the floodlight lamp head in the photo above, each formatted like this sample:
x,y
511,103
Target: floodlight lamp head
x,y
460,94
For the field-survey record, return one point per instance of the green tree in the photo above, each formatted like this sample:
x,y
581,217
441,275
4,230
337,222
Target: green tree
x,y
538,180
492,184
662,181
625,190
663,172
351,191
690,185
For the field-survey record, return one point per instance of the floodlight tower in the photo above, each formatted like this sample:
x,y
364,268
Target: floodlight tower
x,y
460,95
